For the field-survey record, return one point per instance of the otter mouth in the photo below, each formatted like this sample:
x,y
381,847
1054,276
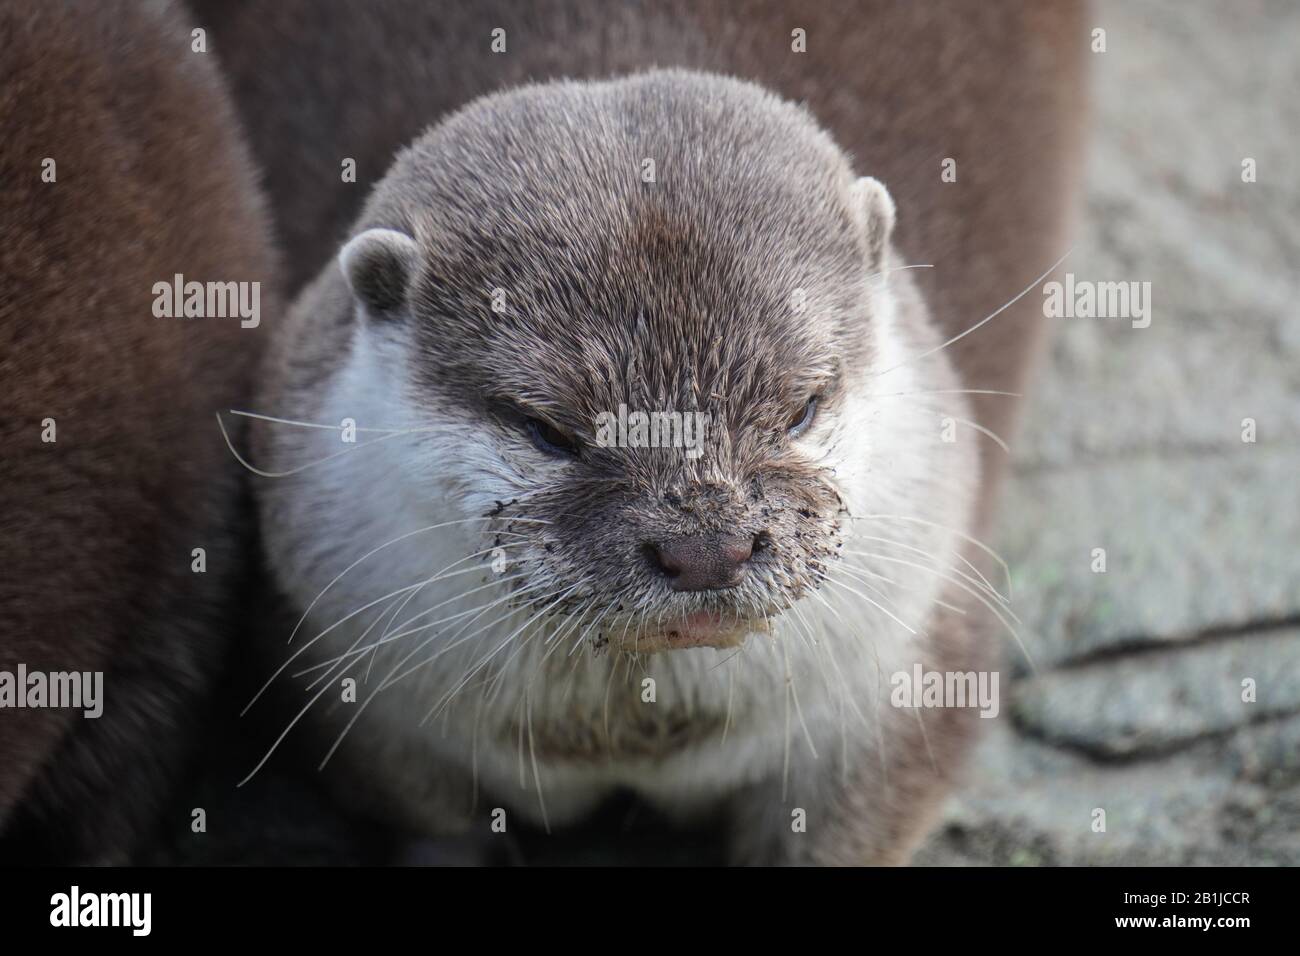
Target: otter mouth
x,y
697,629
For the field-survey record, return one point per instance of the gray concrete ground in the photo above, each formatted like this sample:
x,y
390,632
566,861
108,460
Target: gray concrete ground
x,y
1133,444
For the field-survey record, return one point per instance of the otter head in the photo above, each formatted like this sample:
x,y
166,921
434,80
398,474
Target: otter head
x,y
642,322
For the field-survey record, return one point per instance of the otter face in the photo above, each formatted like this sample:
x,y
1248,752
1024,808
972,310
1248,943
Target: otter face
x,y
652,308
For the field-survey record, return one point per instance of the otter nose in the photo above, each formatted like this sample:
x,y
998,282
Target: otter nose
x,y
706,562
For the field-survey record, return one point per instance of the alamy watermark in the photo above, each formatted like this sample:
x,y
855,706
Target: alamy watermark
x,y
1085,299
79,690
179,299
922,688
74,908
664,429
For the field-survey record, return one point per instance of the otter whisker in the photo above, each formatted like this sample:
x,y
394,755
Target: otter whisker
x,y
728,658
495,682
292,723
1006,570
301,468
477,613
290,421
983,600
609,682
388,628
415,589
942,571
636,638
324,686
854,573
383,640
473,754
983,431
893,617
457,641
844,697
843,694
830,651
328,668
903,587
623,637
925,737
343,620
988,318
389,544
794,693
573,671
923,732
571,624
731,696
532,756
446,699
495,582
982,583
301,650
439,576
947,391
785,756
810,639
885,272
390,679
843,700
519,746
876,725
608,610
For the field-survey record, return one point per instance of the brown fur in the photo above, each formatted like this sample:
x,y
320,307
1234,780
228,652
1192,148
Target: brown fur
x,y
153,179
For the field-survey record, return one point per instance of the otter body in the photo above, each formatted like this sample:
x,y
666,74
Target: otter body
x,y
122,166
520,609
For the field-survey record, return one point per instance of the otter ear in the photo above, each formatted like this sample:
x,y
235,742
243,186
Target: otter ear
x,y
877,208
378,266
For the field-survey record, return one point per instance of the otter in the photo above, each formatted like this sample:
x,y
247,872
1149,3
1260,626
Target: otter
x,y
972,114
501,617
123,165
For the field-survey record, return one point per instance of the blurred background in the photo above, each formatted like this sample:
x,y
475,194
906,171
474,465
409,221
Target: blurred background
x,y
1133,443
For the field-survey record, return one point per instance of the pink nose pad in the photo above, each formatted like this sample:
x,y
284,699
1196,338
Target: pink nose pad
x,y
707,562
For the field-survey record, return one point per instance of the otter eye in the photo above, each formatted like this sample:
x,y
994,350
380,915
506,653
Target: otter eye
x,y
550,439
800,422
